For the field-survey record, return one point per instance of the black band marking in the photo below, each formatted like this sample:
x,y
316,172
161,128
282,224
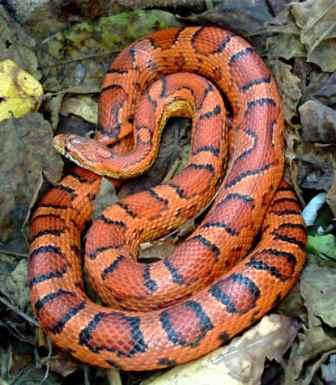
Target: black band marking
x,y
151,101
222,225
247,152
126,208
164,89
109,221
176,276
207,115
156,196
47,232
260,102
139,344
207,91
179,191
166,362
247,173
173,335
209,245
220,48
224,43
113,266
247,282
210,148
260,265
133,51
101,249
50,297
254,82
47,249
70,314
290,257
285,200
285,188
149,283
287,238
118,71
239,55
169,329
177,36
205,166
66,189
55,216
205,322
151,65
46,277
81,178
224,337
237,196
216,291
284,212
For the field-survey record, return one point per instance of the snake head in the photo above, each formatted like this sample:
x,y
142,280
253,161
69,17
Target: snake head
x,y
85,152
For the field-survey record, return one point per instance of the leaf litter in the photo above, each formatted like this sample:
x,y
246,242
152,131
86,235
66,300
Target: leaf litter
x,y
69,57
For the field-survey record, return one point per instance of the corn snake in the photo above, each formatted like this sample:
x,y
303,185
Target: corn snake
x,y
209,280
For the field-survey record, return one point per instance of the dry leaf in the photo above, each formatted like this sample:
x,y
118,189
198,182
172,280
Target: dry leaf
x,y
20,92
82,106
318,121
317,19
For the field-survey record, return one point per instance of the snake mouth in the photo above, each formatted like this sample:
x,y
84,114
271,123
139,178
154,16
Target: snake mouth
x,y
59,142
62,144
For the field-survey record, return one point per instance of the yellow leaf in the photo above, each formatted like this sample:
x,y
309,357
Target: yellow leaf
x,y
20,92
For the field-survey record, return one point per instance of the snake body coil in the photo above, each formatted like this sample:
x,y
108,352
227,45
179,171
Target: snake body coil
x,y
213,286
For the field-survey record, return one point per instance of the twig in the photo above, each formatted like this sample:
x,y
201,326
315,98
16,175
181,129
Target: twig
x,y
13,253
16,310
113,376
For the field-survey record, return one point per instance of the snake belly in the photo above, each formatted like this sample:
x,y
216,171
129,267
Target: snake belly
x,y
251,196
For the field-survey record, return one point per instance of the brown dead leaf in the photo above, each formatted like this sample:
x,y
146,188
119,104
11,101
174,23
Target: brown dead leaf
x,y
315,167
289,86
82,106
17,45
16,285
316,341
62,363
318,288
26,152
317,20
312,348
156,250
285,40
318,122
321,86
242,16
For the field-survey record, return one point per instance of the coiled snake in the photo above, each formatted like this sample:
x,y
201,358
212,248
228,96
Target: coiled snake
x,y
214,285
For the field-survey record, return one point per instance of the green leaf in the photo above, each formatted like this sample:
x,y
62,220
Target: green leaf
x,y
323,245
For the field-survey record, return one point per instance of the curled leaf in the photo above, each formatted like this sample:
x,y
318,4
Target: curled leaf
x,y
318,121
317,19
318,287
20,92
309,213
